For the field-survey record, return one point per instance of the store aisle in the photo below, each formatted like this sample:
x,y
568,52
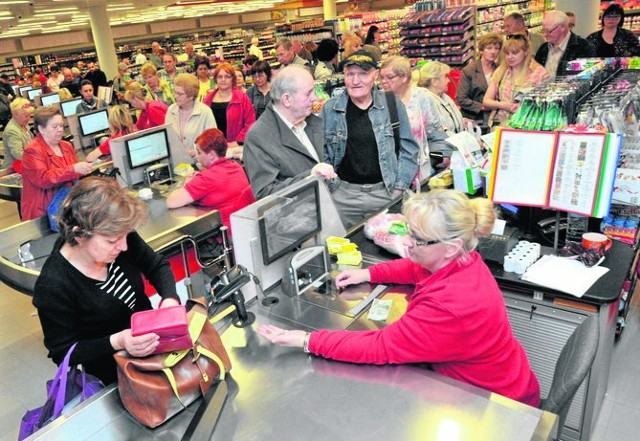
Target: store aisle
x,y
24,366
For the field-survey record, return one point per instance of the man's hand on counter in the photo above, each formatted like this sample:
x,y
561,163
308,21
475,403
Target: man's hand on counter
x,y
281,336
324,171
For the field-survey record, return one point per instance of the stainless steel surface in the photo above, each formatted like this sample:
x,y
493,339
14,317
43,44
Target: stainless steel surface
x,y
164,230
279,393
10,185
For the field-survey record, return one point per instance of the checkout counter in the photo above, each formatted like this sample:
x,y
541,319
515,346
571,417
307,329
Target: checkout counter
x,y
279,393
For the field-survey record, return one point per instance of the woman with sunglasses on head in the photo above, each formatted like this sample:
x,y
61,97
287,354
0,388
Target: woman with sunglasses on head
x,y
456,318
613,40
517,73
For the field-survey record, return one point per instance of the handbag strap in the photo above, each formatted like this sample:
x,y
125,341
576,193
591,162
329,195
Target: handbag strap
x,y
60,382
196,324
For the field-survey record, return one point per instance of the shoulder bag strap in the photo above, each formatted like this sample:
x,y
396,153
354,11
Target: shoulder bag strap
x,y
395,122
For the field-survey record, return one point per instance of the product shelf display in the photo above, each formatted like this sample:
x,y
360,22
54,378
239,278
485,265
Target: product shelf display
x,y
389,29
444,35
310,30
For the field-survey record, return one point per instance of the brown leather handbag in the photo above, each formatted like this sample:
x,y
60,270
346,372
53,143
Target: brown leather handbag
x,y
157,387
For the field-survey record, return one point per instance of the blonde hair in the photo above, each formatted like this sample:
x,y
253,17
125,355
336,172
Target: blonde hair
x,y
148,69
348,42
399,65
445,215
136,90
189,83
18,104
431,71
65,94
516,43
120,120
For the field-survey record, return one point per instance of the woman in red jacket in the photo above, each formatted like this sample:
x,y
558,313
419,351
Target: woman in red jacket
x,y
456,318
231,108
48,163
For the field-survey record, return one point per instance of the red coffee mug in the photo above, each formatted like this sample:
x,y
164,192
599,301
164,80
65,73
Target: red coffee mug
x,y
596,241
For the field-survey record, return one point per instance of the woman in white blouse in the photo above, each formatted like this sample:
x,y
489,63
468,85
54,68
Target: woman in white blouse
x,y
446,117
188,118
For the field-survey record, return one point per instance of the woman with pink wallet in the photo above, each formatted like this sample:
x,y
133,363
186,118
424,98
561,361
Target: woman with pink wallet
x,y
91,284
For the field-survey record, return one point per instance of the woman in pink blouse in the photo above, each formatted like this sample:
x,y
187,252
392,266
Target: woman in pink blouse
x,y
518,72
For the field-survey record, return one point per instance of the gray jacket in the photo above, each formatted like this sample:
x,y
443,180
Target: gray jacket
x,y
274,157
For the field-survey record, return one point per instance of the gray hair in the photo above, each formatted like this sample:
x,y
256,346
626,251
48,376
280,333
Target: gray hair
x,y
286,81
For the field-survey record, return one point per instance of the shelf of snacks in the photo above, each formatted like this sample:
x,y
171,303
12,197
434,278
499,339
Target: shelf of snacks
x,y
445,35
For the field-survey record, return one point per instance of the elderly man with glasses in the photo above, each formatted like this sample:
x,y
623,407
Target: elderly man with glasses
x,y
562,45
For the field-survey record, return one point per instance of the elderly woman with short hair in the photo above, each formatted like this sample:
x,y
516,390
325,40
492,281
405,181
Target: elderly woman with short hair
x,y
188,118
48,163
395,76
16,133
158,88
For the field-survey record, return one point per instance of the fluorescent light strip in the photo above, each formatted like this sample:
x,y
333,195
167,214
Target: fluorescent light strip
x,y
62,10
51,31
120,8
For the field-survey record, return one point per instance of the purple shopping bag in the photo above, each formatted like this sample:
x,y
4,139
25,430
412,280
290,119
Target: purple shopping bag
x,y
69,385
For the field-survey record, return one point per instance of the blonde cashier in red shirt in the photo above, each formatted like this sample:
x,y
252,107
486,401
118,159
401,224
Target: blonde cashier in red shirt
x,y
456,318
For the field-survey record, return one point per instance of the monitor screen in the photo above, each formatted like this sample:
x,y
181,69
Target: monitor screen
x,y
49,99
23,89
147,148
289,221
69,106
94,122
31,94
16,89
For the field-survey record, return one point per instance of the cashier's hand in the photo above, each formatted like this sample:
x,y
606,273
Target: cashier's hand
x,y
352,277
282,337
139,346
82,168
324,171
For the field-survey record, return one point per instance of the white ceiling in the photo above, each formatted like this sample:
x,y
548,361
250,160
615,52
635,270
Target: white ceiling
x,y
24,17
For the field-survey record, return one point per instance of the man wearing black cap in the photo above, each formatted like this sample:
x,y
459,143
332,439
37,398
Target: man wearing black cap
x,y
373,164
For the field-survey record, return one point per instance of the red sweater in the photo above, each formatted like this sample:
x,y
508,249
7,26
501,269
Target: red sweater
x,y
240,114
43,174
152,116
456,320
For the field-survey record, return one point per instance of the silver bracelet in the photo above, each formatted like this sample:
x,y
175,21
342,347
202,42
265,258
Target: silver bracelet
x,y
305,345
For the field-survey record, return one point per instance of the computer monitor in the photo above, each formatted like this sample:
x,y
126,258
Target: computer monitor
x,y
16,89
289,221
93,122
268,232
48,99
22,90
31,94
147,148
69,107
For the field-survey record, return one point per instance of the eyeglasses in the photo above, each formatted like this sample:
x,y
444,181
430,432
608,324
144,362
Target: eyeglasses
x,y
612,16
259,74
420,242
547,32
516,37
388,77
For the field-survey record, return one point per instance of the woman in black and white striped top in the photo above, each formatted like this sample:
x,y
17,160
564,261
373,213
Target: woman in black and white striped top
x,y
91,283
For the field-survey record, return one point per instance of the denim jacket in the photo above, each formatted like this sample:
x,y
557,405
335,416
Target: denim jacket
x,y
397,171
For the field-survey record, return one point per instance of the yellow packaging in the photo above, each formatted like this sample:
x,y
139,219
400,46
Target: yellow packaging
x,y
350,258
338,244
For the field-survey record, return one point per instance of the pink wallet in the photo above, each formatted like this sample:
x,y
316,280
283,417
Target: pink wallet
x,y
169,323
